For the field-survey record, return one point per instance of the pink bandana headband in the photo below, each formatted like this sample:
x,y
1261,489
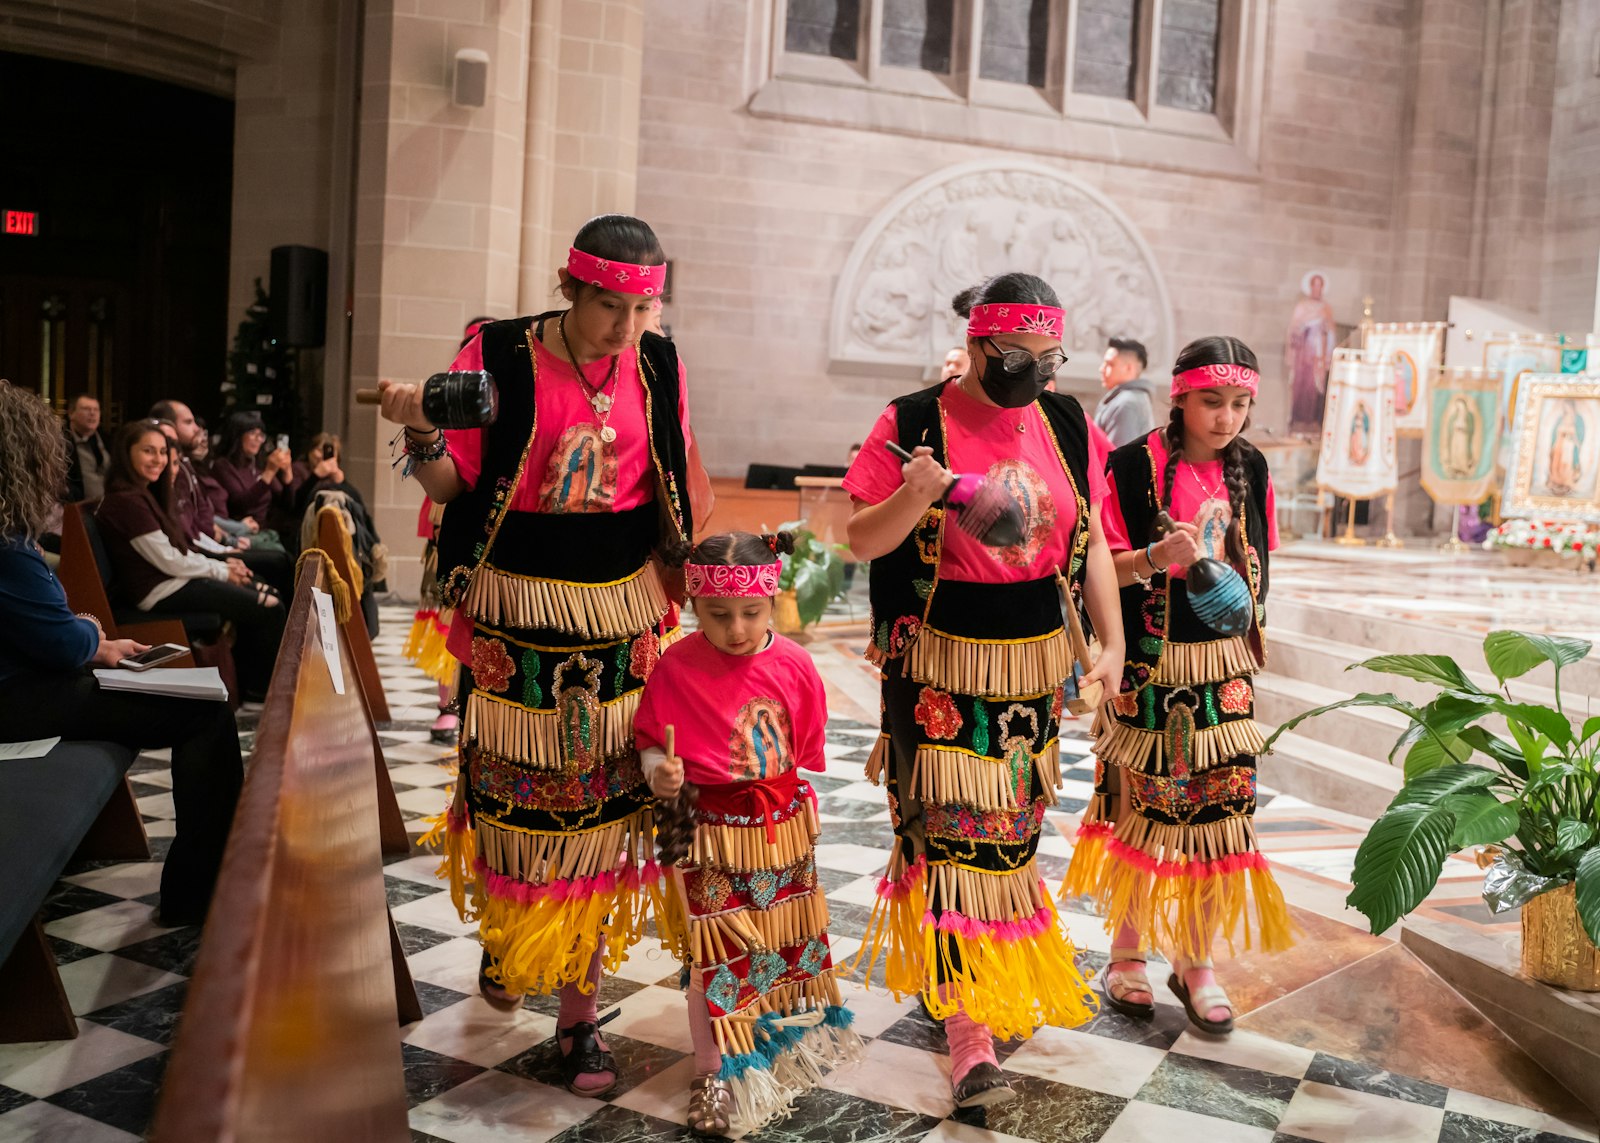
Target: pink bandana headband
x,y
1015,317
731,581
1214,377
623,277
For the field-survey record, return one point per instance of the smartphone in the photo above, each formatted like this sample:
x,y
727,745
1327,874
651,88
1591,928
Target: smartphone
x,y
283,441
154,657
327,452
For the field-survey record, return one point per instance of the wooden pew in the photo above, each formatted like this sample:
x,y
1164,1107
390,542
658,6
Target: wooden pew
x,y
335,540
290,1030
86,591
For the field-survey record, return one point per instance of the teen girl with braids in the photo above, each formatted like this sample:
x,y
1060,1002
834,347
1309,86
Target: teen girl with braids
x,y
974,653
732,714
559,616
1167,844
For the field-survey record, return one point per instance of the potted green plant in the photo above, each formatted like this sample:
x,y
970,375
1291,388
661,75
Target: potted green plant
x,y
812,578
1537,801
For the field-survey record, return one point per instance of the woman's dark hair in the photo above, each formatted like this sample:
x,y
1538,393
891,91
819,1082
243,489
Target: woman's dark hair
x,y
617,238
1203,351
1016,288
239,424
729,548
121,476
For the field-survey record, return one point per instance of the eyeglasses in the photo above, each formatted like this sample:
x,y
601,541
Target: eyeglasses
x,y
1045,366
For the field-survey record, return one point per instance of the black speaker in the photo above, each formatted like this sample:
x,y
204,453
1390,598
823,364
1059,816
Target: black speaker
x,y
299,299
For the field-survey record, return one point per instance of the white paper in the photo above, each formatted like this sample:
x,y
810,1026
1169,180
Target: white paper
x,y
178,682
328,628
38,749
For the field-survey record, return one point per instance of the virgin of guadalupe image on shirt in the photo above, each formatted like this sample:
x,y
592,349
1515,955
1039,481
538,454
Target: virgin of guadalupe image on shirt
x,y
1563,451
1360,444
760,746
581,475
1032,495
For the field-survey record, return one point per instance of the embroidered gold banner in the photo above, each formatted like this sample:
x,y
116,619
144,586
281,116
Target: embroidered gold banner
x,y
586,610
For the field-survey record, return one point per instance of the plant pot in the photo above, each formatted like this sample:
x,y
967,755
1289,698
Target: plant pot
x,y
786,613
1555,949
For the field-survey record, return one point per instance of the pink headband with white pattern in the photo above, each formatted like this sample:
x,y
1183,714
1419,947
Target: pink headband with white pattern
x,y
623,277
1214,377
731,581
1015,317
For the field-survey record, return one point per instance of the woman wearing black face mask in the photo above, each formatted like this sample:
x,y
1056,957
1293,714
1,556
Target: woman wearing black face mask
x,y
974,655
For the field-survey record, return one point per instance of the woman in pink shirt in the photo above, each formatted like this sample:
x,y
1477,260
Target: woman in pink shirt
x,y
1167,844
976,666
551,517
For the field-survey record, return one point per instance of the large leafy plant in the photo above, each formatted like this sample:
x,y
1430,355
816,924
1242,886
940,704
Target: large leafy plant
x,y
814,571
1539,797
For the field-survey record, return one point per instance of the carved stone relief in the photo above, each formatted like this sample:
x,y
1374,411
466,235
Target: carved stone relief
x,y
953,229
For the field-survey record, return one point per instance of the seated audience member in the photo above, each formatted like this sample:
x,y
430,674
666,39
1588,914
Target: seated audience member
x,y
261,484
87,454
46,654
157,570
325,483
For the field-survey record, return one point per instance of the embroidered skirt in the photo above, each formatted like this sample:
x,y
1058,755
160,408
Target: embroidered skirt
x,y
970,756
549,840
1168,843
757,934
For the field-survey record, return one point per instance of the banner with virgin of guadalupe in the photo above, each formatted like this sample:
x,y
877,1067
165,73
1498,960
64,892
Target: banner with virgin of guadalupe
x,y
1410,352
1462,440
1513,356
1358,432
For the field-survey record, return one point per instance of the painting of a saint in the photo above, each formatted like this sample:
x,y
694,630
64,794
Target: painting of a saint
x,y
1459,449
1307,354
1406,387
1360,443
581,475
1564,451
760,746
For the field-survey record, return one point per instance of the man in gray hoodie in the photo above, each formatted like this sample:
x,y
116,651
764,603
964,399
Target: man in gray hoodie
x,y
1128,410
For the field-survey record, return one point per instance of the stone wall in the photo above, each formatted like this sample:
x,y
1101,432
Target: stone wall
x,y
1572,234
761,214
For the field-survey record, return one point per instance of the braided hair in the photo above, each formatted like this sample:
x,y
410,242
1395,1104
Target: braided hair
x,y
1213,350
675,816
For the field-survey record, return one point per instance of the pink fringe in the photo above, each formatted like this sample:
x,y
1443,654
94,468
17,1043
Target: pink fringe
x,y
973,929
907,881
1222,866
521,892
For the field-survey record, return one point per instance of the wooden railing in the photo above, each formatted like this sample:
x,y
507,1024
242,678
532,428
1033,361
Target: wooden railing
x,y
290,1030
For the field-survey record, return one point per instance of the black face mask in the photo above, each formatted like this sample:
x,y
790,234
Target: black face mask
x,y
1010,390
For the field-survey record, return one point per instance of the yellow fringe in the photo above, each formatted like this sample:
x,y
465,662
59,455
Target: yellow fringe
x,y
425,649
959,777
999,669
1014,986
1190,664
726,936
1135,748
533,737
1178,912
460,851
591,611
745,848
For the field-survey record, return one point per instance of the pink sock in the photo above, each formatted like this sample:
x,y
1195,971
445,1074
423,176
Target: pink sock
x,y
579,1007
971,1043
707,1056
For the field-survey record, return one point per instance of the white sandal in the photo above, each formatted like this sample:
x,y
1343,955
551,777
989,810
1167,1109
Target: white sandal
x,y
1201,1000
1117,983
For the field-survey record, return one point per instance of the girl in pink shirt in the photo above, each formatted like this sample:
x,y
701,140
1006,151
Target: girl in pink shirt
x,y
737,712
1167,844
977,665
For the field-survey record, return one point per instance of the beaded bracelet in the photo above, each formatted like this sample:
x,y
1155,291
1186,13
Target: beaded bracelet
x,y
419,452
92,619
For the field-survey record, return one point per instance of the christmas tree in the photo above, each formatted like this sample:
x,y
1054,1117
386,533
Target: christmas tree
x,y
261,371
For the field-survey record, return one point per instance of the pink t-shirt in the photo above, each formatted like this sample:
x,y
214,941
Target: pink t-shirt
x,y
984,438
1198,496
570,468
737,718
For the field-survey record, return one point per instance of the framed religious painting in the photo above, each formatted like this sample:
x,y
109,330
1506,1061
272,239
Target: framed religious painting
x,y
1409,353
1513,356
1553,468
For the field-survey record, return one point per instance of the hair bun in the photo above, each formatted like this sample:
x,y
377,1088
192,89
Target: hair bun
x,y
675,553
963,302
781,543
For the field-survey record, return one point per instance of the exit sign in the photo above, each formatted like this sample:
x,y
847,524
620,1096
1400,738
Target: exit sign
x,y
25,222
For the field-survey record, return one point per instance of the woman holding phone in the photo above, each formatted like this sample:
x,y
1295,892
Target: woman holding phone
x,y
261,483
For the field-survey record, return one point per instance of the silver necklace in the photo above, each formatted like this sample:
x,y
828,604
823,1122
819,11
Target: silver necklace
x,y
1214,493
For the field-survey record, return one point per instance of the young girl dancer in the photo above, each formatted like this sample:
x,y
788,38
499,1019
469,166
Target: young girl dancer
x,y
737,712
1167,844
551,515
974,654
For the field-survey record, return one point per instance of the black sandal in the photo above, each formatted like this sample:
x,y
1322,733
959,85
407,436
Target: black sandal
x,y
586,1057
496,994
984,1085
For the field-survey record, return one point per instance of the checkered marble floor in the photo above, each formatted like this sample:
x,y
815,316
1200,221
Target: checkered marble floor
x,y
474,1074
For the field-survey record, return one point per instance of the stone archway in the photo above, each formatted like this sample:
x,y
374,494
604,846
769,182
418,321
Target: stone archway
x,y
957,226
